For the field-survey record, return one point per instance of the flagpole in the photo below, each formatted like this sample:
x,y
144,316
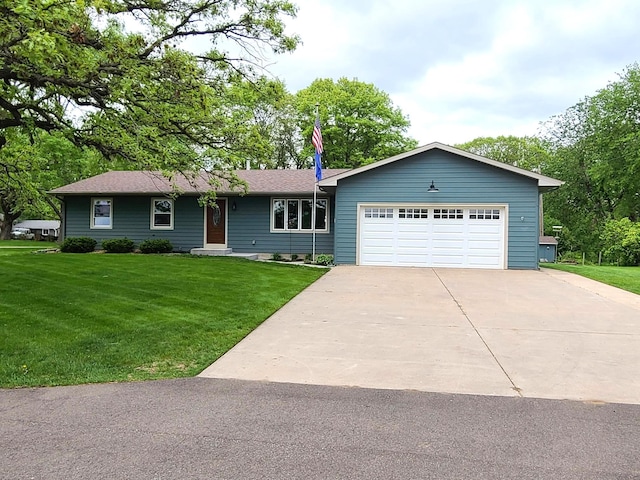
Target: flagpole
x,y
313,207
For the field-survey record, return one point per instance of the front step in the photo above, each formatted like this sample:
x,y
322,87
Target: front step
x,y
211,251
222,252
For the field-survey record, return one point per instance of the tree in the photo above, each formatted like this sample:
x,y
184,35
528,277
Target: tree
x,y
530,153
621,240
360,124
596,151
33,165
71,66
262,111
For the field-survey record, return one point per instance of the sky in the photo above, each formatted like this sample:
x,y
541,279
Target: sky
x,y
462,69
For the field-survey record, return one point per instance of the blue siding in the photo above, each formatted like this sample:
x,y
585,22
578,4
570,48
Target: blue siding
x,y
547,253
132,219
251,222
459,180
248,223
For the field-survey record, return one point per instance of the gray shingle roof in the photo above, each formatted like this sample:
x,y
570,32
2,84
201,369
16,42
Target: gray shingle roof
x,y
142,182
547,240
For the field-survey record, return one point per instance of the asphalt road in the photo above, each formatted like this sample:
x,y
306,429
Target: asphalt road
x,y
203,428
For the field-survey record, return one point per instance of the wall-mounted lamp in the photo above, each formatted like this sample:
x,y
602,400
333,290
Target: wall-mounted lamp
x,y
432,187
234,206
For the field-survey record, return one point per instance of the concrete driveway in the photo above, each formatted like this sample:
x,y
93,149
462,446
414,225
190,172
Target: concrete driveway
x,y
543,334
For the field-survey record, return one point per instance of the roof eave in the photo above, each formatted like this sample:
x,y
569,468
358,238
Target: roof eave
x,y
543,180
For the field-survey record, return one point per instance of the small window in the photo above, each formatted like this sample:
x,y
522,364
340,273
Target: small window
x,y
101,213
413,213
161,214
447,213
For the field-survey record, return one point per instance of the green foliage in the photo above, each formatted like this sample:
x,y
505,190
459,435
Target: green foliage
x,y
276,256
78,245
294,257
118,245
621,239
156,245
360,124
324,259
308,258
74,70
596,151
530,153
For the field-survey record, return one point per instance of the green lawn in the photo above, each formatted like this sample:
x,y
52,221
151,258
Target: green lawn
x,y
70,319
627,278
9,247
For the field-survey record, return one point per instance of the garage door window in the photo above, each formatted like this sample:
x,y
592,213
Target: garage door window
x,y
447,213
413,213
484,214
378,213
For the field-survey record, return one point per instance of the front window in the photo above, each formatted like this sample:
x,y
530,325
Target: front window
x,y
162,214
296,215
101,213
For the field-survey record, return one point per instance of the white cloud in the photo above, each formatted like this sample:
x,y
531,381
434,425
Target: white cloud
x,y
461,68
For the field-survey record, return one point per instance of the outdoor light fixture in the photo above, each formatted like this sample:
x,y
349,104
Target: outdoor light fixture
x,y
234,206
432,187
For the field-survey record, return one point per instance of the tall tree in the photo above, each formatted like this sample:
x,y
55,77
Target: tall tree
x,y
262,112
32,166
530,153
597,152
72,66
360,124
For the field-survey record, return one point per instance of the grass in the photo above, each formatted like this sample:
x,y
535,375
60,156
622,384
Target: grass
x,y
9,247
71,319
627,278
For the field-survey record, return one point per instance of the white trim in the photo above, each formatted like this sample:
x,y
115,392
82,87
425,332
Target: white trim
x,y
300,199
92,225
502,206
226,226
153,213
543,181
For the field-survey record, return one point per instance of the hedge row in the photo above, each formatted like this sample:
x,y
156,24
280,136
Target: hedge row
x,y
115,245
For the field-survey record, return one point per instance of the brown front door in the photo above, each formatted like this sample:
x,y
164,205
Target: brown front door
x,y
216,223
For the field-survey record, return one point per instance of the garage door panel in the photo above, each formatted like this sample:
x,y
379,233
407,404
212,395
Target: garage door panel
x,y
474,241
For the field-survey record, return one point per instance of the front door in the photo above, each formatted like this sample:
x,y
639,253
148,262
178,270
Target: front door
x,y
216,223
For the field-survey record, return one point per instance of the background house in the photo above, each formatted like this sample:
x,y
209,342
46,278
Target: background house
x,y
42,229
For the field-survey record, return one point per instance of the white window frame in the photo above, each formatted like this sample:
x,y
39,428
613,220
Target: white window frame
x,y
94,200
300,200
152,224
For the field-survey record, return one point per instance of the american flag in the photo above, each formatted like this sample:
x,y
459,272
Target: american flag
x,y
316,139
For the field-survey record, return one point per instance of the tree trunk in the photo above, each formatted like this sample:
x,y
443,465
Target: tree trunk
x,y
9,216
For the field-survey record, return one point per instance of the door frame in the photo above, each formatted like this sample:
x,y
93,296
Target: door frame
x,y
226,225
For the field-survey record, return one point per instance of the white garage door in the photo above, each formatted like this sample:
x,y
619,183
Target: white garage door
x,y
469,237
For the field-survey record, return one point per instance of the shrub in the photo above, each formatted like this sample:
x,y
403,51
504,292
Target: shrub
x,y
308,258
276,256
324,259
156,245
78,245
622,241
118,245
294,257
